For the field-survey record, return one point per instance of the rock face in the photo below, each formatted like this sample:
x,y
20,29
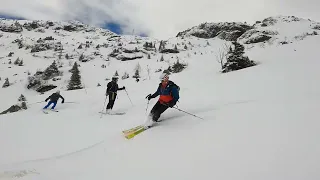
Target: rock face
x,y
227,31
12,109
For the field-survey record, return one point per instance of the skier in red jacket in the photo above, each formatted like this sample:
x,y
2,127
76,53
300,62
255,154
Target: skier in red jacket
x,y
169,95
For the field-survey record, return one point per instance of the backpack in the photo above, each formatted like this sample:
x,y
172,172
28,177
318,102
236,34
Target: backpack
x,y
174,84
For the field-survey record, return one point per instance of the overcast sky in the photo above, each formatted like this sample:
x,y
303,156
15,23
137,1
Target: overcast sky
x,y
158,18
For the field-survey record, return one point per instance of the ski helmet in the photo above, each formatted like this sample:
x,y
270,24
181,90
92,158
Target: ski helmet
x,y
58,91
115,78
164,76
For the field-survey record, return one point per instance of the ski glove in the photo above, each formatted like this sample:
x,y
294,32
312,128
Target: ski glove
x,y
149,97
107,93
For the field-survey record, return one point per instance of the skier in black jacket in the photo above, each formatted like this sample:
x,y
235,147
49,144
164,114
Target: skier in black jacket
x,y
53,100
111,91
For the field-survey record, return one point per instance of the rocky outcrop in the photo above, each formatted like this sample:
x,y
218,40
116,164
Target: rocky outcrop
x,y
126,57
45,88
256,36
167,51
12,28
227,31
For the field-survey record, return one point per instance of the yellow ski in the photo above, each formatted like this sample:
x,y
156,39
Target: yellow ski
x,y
134,133
132,129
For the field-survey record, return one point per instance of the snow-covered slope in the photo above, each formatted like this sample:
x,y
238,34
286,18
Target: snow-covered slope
x,y
259,123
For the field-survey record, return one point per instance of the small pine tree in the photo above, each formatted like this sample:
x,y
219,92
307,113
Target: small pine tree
x,y
136,74
175,47
67,56
22,98
137,71
149,56
236,60
6,83
161,59
17,61
81,57
24,105
21,63
185,47
116,73
51,71
75,65
75,80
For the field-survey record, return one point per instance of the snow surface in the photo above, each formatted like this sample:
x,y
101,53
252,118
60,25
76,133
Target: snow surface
x,y
259,123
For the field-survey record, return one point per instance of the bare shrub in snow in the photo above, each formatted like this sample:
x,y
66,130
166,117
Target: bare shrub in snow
x,y
125,76
222,54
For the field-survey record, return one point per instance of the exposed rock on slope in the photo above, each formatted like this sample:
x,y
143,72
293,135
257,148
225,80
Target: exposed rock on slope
x,y
261,31
227,31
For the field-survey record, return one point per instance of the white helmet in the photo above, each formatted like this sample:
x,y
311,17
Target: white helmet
x,y
58,91
164,76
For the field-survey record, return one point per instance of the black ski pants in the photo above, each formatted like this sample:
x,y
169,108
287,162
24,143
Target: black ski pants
x,y
157,110
112,99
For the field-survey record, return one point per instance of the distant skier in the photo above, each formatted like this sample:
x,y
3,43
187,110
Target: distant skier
x,y
53,100
111,91
169,95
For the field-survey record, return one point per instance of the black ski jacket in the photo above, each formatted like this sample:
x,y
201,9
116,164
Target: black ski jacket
x,y
55,97
113,87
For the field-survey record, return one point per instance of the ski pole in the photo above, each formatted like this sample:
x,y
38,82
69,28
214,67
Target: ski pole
x,y
36,102
147,106
188,113
72,102
104,104
128,96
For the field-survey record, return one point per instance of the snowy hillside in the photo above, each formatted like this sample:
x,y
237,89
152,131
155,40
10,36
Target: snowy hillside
x,y
260,122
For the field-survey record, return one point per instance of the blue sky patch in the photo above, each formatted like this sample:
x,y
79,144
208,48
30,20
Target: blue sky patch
x,y
11,17
114,27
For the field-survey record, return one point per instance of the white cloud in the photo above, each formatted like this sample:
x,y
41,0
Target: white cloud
x,y
159,18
